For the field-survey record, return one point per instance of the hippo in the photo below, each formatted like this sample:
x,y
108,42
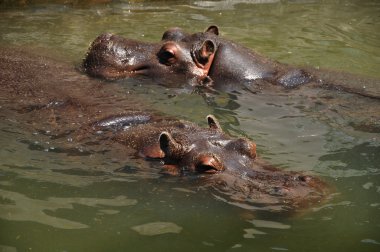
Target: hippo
x,y
63,104
205,59
228,164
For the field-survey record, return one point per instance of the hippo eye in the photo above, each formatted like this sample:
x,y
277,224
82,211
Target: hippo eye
x,y
167,54
167,57
244,147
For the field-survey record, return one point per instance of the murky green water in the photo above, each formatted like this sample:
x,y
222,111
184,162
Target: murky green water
x,y
51,201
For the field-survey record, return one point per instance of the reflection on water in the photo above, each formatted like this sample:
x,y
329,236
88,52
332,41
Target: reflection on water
x,y
344,162
17,207
228,4
157,228
343,203
269,224
251,232
105,202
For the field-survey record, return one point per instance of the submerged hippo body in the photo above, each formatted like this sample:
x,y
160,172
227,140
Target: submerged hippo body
x,y
199,59
65,105
206,59
227,164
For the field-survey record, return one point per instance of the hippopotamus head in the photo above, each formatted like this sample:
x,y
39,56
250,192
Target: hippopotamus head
x,y
178,58
184,147
199,59
206,150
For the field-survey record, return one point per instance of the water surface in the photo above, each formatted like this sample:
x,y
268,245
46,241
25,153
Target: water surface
x,y
54,201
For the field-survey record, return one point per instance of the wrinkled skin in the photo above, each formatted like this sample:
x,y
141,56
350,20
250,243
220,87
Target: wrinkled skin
x,y
67,105
205,59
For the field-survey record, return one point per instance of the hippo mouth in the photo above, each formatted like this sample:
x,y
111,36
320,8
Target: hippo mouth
x,y
110,73
140,70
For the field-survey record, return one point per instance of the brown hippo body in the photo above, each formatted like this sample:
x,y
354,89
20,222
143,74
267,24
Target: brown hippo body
x,y
224,163
207,60
66,104
202,58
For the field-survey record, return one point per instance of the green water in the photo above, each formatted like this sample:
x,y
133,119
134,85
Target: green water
x,y
51,201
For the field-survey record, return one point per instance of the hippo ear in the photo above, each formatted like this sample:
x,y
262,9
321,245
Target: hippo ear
x,y
205,54
213,123
213,29
169,146
208,48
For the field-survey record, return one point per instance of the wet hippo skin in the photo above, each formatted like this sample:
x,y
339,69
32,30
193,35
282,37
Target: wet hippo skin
x,y
208,60
41,94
